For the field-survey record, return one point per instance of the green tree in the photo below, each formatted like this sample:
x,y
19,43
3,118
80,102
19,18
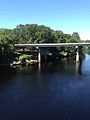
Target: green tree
x,y
75,37
59,37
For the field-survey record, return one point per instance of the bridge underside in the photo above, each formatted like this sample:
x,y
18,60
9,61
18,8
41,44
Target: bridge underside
x,y
41,51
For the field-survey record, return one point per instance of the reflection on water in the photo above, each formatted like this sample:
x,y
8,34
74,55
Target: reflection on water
x,y
56,90
79,67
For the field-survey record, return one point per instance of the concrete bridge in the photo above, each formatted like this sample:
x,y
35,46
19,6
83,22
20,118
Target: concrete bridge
x,y
41,46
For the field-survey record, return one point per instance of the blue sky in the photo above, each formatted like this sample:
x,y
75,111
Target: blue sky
x,y
66,15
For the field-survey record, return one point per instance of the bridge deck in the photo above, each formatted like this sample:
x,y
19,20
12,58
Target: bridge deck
x,y
52,44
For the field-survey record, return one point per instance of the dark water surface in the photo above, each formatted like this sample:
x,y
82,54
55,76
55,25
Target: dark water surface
x,y
51,91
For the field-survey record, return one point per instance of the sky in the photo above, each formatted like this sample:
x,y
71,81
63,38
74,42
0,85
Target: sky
x,y
66,15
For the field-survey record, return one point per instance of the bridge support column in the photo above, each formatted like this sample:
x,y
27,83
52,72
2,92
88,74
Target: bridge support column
x,y
41,53
78,53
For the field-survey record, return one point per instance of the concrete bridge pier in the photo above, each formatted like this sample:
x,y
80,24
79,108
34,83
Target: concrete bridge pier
x,y
41,52
78,53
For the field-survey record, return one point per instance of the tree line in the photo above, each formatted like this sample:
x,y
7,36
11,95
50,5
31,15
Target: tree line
x,y
33,33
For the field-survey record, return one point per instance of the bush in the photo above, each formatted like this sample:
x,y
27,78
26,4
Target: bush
x,y
24,57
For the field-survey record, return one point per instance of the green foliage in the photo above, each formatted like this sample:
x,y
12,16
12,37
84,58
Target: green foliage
x,y
24,56
75,36
33,33
59,37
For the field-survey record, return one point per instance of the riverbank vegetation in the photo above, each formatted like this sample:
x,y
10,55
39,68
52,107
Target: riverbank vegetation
x,y
33,33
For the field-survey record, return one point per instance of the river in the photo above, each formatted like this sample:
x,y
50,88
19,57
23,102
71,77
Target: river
x,y
49,91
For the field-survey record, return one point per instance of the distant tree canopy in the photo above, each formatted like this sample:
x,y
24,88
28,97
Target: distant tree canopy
x,y
33,33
